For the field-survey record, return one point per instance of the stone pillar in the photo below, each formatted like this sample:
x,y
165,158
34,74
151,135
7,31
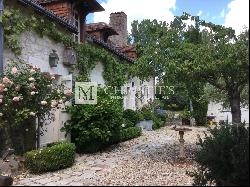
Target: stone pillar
x,y
182,141
118,21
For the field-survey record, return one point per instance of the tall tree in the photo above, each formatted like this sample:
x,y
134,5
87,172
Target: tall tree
x,y
194,55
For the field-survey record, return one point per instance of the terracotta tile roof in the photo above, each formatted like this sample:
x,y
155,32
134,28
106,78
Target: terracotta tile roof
x,y
101,26
41,9
109,47
129,48
93,5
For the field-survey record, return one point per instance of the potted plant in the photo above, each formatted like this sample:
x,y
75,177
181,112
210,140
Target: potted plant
x,y
147,122
185,116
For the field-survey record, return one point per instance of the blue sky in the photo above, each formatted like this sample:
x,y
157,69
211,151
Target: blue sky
x,y
233,13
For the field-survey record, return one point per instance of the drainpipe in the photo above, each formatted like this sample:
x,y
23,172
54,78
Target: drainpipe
x,y
1,38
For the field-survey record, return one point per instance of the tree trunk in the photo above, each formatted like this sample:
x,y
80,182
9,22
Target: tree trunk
x,y
234,98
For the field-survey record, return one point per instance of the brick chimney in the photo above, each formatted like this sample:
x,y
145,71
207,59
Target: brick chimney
x,y
118,21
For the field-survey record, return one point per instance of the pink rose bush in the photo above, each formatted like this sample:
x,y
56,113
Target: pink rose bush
x,y
26,92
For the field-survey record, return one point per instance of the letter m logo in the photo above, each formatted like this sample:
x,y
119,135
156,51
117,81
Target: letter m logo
x,y
86,93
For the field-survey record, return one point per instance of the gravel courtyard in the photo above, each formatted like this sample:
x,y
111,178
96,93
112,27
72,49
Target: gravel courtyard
x,y
149,160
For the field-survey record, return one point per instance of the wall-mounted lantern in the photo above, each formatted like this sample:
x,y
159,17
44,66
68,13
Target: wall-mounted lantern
x,y
53,59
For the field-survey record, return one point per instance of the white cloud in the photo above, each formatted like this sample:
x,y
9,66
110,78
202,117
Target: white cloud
x,y
222,13
238,15
200,13
138,10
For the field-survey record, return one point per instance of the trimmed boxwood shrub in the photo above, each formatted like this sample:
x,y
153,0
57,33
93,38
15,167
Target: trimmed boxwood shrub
x,y
59,156
130,133
223,157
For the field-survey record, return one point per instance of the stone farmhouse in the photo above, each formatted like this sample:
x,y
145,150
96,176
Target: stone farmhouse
x,y
70,18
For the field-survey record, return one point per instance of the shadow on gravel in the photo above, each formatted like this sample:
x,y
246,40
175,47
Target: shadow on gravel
x,y
169,153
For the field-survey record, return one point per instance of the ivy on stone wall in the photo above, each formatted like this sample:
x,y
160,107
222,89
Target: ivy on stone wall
x,y
15,23
116,72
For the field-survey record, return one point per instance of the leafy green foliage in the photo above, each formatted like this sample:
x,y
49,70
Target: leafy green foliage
x,y
186,114
130,133
224,157
87,55
27,92
87,58
21,22
92,126
200,112
54,158
192,56
158,123
133,116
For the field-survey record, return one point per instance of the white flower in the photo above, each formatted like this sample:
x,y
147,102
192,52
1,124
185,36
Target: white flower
x,y
14,70
1,114
31,79
16,99
44,103
33,93
32,71
61,101
123,125
32,113
5,89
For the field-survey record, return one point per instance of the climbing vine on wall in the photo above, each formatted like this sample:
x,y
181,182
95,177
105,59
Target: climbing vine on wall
x,y
116,71
15,23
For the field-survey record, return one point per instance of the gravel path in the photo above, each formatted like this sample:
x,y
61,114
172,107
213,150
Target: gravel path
x,y
149,160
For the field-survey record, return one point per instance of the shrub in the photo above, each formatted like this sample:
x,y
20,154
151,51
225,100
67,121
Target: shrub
x,y
27,93
54,158
158,123
148,115
132,116
161,116
127,123
224,157
130,133
200,112
92,127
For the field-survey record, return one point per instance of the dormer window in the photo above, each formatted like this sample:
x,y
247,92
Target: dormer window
x,y
76,22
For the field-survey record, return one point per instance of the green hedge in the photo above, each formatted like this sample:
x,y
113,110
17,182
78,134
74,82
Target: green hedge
x,y
59,156
130,133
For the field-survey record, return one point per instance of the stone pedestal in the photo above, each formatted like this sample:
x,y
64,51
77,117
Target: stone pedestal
x,y
182,141
182,131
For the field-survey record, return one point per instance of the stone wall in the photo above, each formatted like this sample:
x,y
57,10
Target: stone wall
x,y
36,51
216,109
118,21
